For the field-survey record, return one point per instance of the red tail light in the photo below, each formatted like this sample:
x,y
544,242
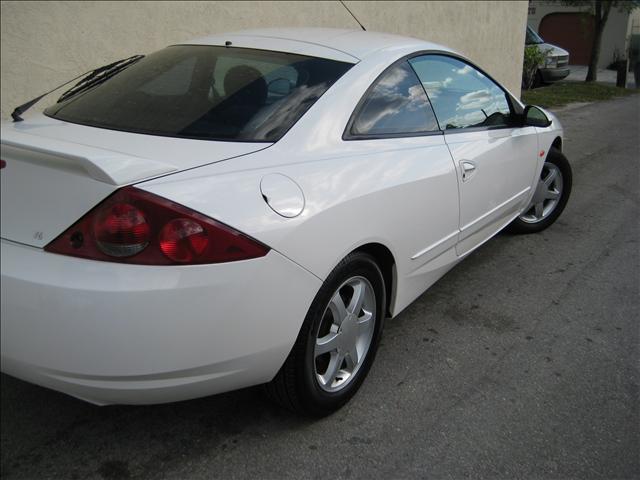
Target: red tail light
x,y
183,240
134,226
121,230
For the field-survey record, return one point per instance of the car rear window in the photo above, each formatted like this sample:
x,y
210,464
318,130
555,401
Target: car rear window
x,y
206,92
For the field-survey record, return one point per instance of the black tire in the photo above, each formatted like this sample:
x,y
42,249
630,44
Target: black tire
x,y
538,81
296,386
520,224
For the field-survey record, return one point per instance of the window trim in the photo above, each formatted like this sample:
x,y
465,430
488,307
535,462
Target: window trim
x,y
514,107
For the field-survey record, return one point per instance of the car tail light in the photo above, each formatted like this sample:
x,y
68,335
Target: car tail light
x,y
121,230
183,240
134,226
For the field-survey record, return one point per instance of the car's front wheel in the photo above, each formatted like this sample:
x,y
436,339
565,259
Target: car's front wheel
x,y
551,196
337,342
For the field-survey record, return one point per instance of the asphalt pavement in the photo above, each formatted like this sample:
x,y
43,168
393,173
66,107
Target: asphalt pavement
x,y
522,362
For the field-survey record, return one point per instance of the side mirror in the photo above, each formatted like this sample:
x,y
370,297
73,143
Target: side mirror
x,y
535,117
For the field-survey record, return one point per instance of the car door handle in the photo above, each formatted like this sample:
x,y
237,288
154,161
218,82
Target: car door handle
x,y
468,169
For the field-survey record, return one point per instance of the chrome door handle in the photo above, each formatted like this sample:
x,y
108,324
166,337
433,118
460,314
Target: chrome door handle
x,y
468,169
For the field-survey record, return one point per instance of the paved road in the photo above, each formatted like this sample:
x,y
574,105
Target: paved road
x,y
521,363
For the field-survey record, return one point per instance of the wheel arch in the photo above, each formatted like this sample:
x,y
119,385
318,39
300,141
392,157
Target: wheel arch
x,y
386,261
557,143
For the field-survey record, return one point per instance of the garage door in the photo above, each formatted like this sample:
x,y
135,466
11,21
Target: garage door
x,y
571,31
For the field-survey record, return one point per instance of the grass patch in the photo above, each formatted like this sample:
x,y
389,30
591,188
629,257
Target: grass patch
x,y
563,93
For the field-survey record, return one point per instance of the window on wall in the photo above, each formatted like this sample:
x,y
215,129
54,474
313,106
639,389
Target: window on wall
x,y
396,105
461,96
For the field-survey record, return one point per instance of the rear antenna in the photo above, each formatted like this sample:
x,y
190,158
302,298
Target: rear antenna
x,y
354,17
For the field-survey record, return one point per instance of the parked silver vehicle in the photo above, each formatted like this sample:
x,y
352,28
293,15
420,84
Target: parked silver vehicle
x,y
556,66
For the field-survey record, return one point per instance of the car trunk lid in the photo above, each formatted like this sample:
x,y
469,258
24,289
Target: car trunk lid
x,y
54,172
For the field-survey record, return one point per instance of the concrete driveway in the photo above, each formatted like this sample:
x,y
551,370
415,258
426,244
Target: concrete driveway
x,y
579,73
521,363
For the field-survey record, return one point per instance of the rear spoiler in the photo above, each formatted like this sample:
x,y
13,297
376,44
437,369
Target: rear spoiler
x,y
105,166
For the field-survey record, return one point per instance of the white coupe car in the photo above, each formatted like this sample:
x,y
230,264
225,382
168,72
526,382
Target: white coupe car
x,y
248,208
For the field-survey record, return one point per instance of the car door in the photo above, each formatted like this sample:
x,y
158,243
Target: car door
x,y
496,159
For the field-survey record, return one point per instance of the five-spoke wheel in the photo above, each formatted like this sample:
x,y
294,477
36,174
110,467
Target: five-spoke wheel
x,y
344,334
550,197
547,195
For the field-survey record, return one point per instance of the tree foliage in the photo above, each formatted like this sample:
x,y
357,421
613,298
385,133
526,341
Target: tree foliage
x,y
534,58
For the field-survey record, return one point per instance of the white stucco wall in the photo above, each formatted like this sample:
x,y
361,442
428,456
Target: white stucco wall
x,y
46,43
614,36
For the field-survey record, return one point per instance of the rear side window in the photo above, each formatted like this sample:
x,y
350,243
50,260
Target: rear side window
x,y
207,92
461,95
395,105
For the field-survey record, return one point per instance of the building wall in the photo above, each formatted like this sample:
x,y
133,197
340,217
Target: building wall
x,y
46,43
614,37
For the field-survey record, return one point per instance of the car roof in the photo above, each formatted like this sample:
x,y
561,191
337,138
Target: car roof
x,y
348,45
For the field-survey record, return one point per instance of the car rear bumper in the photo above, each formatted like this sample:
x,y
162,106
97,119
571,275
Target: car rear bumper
x,y
554,74
113,333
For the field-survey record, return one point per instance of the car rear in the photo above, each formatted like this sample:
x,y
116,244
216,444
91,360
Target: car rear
x,y
113,294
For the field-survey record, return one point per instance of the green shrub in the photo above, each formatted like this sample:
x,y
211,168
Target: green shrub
x,y
533,59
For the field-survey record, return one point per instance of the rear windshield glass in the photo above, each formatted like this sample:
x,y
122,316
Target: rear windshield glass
x,y
206,92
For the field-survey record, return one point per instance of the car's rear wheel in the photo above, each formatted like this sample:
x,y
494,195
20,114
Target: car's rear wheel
x,y
337,342
552,193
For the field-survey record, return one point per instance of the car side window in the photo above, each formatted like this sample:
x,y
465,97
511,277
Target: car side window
x,y
462,96
395,105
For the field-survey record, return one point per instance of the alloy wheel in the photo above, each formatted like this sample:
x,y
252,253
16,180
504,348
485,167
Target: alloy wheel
x,y
547,195
344,334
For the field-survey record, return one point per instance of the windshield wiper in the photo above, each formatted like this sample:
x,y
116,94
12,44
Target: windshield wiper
x,y
98,76
89,79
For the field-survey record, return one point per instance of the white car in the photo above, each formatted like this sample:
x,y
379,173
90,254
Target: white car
x,y
556,62
248,208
